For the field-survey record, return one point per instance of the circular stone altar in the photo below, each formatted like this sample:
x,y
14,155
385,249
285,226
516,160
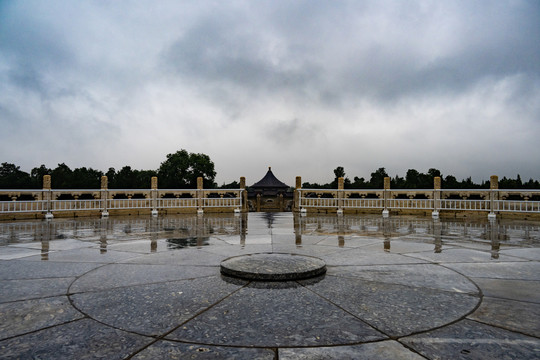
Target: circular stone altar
x,y
273,267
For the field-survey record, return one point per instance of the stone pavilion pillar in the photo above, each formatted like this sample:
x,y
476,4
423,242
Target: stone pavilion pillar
x,y
493,196
154,195
436,197
200,196
297,194
47,196
104,195
339,195
244,195
386,196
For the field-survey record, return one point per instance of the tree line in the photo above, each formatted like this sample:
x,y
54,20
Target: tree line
x,y
181,169
416,180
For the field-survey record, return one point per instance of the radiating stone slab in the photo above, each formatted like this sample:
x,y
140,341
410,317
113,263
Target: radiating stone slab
x,y
504,270
394,309
273,267
383,350
418,275
407,246
24,316
275,314
20,269
525,253
236,250
33,288
58,245
471,340
86,255
460,255
175,350
82,339
510,289
12,252
180,257
361,256
512,315
121,275
155,308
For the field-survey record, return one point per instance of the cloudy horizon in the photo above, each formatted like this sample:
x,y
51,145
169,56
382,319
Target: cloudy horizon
x,y
302,86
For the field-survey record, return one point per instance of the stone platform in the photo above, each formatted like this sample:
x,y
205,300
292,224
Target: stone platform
x,y
146,288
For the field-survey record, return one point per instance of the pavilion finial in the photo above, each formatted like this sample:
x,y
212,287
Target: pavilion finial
x,y
269,168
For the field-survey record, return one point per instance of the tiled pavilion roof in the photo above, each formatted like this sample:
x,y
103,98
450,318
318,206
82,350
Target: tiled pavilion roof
x,y
270,181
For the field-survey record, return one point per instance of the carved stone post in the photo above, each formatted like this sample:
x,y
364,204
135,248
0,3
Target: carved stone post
x,y
154,194
200,196
104,194
436,197
47,195
493,195
341,187
386,196
243,194
297,194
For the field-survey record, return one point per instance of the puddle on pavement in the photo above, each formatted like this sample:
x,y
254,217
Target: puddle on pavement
x,y
195,232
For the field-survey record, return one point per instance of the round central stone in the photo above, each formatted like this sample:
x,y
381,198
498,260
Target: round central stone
x,y
273,267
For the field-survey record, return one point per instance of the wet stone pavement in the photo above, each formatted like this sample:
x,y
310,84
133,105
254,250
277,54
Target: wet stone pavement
x,y
149,288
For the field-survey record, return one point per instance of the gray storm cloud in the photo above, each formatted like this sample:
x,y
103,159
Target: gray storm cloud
x,y
303,86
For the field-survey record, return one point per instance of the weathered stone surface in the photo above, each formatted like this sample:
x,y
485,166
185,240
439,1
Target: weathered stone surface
x,y
153,309
374,351
82,339
395,309
175,350
457,294
273,267
21,317
272,315
471,340
525,316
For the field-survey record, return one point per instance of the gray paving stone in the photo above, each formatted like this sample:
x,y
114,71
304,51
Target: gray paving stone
x,y
513,315
33,288
525,270
86,255
510,289
25,316
394,309
373,351
175,350
180,257
154,309
19,269
275,314
525,253
460,255
82,339
418,275
362,256
471,340
11,252
121,275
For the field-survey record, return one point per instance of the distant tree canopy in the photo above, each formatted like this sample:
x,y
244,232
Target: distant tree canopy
x,y
179,170
416,180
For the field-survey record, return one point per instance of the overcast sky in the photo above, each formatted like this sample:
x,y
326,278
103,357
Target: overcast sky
x,y
302,86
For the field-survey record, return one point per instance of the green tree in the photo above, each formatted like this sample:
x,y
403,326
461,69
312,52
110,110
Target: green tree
x,y
377,178
37,174
12,177
182,169
61,177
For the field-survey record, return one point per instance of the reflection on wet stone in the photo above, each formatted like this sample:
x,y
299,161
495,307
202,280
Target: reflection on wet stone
x,y
112,287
